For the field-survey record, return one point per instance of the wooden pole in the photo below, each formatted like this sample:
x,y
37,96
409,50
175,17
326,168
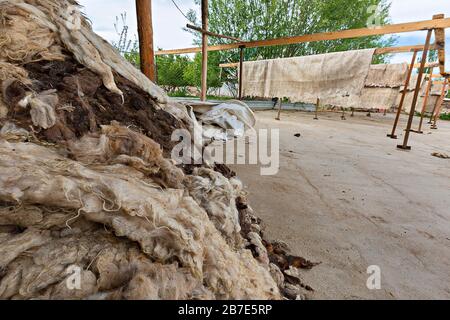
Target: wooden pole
x,y
392,135
204,50
425,100
145,31
327,36
280,105
439,104
316,117
440,43
241,71
405,146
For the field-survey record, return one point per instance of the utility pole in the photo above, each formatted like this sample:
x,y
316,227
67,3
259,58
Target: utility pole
x,y
145,30
204,50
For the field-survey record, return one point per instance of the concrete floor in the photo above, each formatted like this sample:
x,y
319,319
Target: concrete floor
x,y
347,197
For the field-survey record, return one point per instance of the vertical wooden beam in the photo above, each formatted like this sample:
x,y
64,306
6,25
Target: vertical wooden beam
x,y
241,70
145,31
204,50
439,104
440,44
392,135
425,100
280,105
316,115
405,146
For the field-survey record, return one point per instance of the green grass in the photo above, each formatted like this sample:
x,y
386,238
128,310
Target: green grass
x,y
445,117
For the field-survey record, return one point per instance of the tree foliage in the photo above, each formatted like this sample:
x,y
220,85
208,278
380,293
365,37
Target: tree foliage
x,y
193,73
269,19
170,71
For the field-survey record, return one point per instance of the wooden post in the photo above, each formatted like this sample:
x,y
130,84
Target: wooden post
x,y
280,105
439,104
145,31
405,146
425,100
392,135
440,43
316,117
343,114
241,70
204,50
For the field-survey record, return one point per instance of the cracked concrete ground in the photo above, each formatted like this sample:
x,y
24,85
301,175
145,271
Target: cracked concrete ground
x,y
347,197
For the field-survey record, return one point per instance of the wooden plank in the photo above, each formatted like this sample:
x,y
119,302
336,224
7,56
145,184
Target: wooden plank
x,y
440,43
392,135
145,31
401,49
229,65
425,100
416,65
241,71
405,145
427,65
439,104
336,35
212,34
204,51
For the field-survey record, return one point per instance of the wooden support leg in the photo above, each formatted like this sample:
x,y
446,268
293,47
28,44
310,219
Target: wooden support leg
x,y
353,112
204,50
439,104
433,112
316,117
343,115
405,146
280,105
241,70
425,100
392,135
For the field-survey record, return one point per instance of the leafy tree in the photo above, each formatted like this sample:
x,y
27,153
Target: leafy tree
x,y
170,71
193,72
268,19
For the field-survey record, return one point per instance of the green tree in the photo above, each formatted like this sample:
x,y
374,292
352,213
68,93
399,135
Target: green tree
x,y
193,72
171,70
268,19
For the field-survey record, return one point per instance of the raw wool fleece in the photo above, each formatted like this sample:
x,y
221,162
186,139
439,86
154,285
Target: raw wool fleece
x,y
169,226
33,30
120,145
218,195
89,192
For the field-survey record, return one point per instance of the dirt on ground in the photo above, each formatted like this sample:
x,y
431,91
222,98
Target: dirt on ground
x,y
347,197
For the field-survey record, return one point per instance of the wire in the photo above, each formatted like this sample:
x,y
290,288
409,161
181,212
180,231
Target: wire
x,y
181,11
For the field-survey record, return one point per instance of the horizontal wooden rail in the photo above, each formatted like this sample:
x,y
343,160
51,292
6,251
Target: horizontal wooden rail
x,y
336,35
378,51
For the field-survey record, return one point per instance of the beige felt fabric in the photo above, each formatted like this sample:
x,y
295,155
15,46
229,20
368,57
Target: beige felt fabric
x,y
387,75
336,78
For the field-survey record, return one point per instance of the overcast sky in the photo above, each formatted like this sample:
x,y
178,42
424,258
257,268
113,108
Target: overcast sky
x,y
168,21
